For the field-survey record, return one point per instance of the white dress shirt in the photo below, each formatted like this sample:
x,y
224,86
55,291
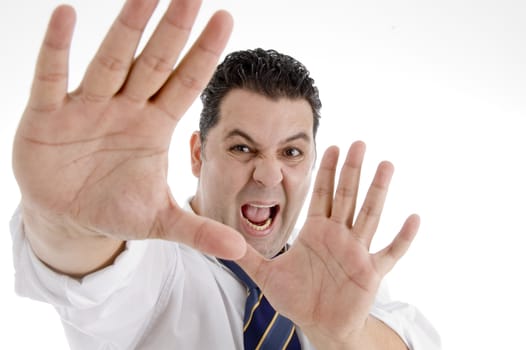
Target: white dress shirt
x,y
164,295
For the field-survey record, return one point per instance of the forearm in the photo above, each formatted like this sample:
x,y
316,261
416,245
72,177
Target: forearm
x,y
378,335
67,248
375,335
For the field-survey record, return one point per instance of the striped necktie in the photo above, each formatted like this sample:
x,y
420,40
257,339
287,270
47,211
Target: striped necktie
x,y
263,327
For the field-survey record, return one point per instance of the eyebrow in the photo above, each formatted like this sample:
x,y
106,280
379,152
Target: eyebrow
x,y
237,132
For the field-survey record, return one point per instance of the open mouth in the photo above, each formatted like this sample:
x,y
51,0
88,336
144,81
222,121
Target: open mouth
x,y
259,217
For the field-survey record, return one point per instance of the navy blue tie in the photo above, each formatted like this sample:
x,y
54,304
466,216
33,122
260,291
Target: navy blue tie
x,y
263,327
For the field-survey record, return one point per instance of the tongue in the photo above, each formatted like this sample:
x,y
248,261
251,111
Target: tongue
x,y
256,215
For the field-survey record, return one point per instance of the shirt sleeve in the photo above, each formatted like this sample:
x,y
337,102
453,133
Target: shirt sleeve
x,y
406,320
111,307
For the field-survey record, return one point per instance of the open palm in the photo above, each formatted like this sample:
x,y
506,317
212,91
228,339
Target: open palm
x,y
327,282
94,161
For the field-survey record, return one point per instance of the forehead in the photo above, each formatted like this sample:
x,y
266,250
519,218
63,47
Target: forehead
x,y
264,118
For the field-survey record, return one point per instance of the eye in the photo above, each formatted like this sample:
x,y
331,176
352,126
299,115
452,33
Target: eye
x,y
292,152
240,149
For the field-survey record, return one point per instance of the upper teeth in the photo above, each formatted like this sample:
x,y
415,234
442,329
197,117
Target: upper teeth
x,y
261,205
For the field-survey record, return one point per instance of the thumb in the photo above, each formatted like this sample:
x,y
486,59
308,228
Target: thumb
x,y
386,258
201,233
253,263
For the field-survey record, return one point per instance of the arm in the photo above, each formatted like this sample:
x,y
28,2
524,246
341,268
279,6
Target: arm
x,y
375,335
68,249
91,164
380,336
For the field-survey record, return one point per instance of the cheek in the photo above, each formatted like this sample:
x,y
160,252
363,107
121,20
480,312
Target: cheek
x,y
225,177
298,185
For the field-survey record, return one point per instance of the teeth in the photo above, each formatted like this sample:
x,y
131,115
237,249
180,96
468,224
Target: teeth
x,y
262,227
261,206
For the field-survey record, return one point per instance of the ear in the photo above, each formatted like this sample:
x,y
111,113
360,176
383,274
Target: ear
x,y
195,153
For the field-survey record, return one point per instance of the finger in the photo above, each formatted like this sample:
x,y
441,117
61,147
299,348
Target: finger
x,y
386,259
203,234
369,215
253,263
347,191
196,68
110,66
155,64
51,73
322,193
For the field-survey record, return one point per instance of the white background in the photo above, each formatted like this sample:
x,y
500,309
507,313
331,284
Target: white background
x,y
437,87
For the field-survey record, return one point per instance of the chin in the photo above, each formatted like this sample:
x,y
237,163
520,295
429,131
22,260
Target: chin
x,y
268,251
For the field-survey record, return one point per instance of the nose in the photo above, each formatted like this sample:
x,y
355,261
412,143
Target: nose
x,y
268,172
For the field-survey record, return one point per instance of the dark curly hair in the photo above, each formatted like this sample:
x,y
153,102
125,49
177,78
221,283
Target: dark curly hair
x,y
266,72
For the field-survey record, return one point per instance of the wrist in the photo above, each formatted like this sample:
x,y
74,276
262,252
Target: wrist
x,y
335,340
65,246
374,334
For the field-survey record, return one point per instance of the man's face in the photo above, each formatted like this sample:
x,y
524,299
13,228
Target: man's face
x,y
255,168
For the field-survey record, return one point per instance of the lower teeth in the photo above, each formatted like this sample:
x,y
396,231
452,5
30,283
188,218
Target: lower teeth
x,y
259,227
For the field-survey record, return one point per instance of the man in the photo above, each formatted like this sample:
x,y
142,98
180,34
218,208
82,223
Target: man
x,y
100,237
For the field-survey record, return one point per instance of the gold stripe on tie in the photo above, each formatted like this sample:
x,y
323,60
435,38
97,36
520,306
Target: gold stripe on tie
x,y
266,331
252,312
289,338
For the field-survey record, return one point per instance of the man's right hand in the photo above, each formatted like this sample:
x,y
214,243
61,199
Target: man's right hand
x,y
92,164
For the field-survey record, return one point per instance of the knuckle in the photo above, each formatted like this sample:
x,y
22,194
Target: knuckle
x,y
371,210
190,82
321,192
156,63
111,63
91,97
52,77
345,191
